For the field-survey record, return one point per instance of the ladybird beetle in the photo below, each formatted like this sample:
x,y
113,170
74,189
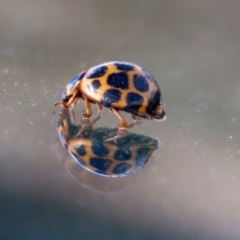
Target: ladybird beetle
x,y
119,86
111,159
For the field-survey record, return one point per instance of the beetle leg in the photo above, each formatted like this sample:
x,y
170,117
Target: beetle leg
x,y
72,101
85,117
88,114
100,108
75,101
73,116
122,129
124,124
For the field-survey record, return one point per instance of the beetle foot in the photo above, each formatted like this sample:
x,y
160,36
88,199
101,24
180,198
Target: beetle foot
x,y
85,120
87,123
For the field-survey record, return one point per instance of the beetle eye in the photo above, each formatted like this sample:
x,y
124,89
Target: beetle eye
x,y
66,99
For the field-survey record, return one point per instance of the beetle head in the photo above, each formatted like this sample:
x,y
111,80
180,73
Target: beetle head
x,y
71,92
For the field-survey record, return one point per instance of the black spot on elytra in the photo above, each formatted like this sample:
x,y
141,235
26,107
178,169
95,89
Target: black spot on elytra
x,y
80,149
149,76
140,83
94,85
99,149
121,168
81,75
76,79
142,157
97,72
134,101
110,96
101,164
122,154
118,80
124,66
154,102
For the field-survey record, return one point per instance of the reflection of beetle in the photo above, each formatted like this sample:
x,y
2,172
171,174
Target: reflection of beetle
x,y
118,86
120,158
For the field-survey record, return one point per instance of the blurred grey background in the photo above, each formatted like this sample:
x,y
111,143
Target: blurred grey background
x,y
190,188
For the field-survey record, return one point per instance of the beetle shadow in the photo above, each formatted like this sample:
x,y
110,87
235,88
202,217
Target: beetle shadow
x,y
103,166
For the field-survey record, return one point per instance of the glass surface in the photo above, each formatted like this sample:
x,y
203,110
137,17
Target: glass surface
x,y
189,189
